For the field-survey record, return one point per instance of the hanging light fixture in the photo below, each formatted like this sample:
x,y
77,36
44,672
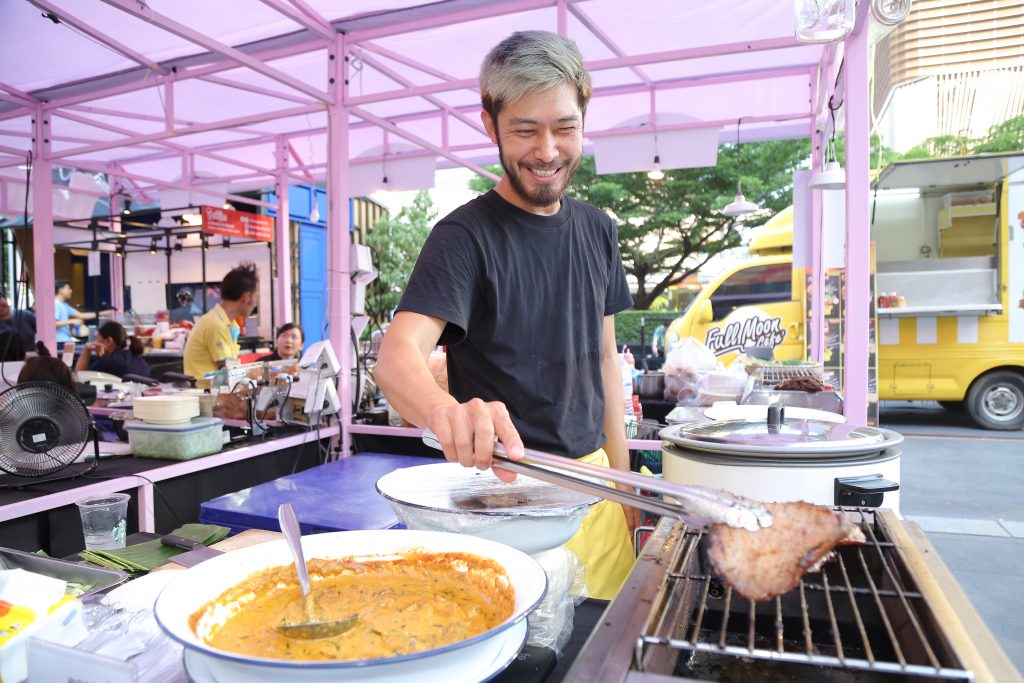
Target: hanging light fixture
x,y
739,206
656,173
314,213
831,176
225,242
152,246
127,210
823,21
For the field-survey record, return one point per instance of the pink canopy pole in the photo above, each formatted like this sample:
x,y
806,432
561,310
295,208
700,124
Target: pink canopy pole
x,y
283,289
858,233
339,303
817,302
116,261
42,233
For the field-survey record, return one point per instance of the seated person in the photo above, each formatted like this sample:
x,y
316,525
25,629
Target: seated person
x,y
46,368
288,345
116,353
21,321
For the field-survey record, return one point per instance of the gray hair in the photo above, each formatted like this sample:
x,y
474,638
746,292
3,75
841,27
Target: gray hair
x,y
528,61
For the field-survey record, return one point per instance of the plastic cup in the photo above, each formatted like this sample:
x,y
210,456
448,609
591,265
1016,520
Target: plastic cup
x,y
104,520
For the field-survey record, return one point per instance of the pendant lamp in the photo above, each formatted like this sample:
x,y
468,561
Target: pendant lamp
x,y
656,173
739,206
831,176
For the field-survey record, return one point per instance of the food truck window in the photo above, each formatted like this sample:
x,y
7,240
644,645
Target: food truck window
x,y
752,286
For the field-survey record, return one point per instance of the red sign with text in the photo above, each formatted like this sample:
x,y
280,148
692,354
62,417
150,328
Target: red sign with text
x,y
233,223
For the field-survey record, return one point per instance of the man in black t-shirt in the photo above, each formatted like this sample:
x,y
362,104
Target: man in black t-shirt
x,y
522,284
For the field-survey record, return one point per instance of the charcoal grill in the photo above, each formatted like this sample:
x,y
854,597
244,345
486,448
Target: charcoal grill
x,y
874,613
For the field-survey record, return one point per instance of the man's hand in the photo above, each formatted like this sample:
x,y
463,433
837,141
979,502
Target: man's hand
x,y
467,432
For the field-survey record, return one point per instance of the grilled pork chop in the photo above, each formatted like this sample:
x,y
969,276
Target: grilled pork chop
x,y
762,564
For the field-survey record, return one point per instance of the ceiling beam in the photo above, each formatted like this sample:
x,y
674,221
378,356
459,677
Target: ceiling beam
x,y
64,17
312,21
599,33
191,130
145,13
416,140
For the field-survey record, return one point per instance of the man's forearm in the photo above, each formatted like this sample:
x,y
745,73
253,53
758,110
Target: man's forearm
x,y
403,376
614,415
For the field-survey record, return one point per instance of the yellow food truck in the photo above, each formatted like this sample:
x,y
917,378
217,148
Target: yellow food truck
x,y
949,247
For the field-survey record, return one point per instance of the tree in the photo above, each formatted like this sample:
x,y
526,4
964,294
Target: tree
x,y
1007,136
396,244
669,229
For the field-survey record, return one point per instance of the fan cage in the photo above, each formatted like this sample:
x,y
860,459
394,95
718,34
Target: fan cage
x,y
24,403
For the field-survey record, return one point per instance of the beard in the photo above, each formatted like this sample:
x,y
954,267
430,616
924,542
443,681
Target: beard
x,y
541,196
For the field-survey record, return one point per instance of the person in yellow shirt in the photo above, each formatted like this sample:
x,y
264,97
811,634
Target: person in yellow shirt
x,y
214,339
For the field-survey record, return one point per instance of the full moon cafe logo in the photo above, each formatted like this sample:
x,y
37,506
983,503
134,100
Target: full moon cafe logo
x,y
738,335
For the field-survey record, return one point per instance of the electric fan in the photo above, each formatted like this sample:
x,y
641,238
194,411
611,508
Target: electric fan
x,y
45,428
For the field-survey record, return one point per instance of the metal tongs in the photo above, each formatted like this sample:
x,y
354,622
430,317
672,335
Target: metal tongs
x,y
696,505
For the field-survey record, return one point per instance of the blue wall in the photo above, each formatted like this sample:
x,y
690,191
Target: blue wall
x,y
312,256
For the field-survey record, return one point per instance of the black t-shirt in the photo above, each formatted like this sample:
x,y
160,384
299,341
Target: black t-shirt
x,y
24,324
524,297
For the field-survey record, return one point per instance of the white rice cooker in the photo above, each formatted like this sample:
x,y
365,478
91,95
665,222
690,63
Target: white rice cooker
x,y
781,459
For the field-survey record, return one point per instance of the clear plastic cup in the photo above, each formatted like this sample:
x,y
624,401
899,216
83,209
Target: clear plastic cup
x,y
104,520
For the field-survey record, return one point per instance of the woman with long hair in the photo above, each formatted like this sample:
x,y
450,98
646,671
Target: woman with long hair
x,y
116,353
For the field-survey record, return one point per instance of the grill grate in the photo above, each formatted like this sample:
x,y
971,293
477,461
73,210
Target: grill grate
x,y
862,612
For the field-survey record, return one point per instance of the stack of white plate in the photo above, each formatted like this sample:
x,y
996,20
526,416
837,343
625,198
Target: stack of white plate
x,y
166,409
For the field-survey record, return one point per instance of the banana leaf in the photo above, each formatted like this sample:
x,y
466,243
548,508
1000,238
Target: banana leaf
x,y
142,557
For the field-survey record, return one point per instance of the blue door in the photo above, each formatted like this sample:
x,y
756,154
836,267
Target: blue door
x,y
312,257
313,280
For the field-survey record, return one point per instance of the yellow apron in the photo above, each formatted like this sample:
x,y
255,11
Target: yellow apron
x,y
603,543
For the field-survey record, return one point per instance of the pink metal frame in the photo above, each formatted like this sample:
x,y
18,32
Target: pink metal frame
x,y
856,101
144,486
299,98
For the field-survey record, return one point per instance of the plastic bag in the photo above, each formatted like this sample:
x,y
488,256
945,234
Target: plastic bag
x,y
686,364
722,385
551,622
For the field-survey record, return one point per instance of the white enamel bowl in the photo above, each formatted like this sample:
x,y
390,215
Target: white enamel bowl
x,y
197,586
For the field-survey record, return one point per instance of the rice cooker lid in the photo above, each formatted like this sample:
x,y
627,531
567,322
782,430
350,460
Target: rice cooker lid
x,y
786,437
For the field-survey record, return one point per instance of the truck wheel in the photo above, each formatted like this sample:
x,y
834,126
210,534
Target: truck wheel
x,y
996,401
953,406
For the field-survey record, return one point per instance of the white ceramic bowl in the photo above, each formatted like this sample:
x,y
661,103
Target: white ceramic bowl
x,y
203,583
528,514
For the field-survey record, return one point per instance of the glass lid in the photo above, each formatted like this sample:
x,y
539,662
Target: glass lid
x,y
453,488
772,438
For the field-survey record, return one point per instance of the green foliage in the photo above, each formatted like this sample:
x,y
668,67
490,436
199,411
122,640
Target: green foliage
x,y
880,155
396,243
668,229
627,324
1007,136
941,146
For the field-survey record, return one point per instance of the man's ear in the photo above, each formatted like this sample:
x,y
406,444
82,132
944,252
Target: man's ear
x,y
490,125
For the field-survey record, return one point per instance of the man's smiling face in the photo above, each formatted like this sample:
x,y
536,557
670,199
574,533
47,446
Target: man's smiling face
x,y
540,140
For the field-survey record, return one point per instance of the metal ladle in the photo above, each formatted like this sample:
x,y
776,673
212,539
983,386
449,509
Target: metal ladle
x,y
311,628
